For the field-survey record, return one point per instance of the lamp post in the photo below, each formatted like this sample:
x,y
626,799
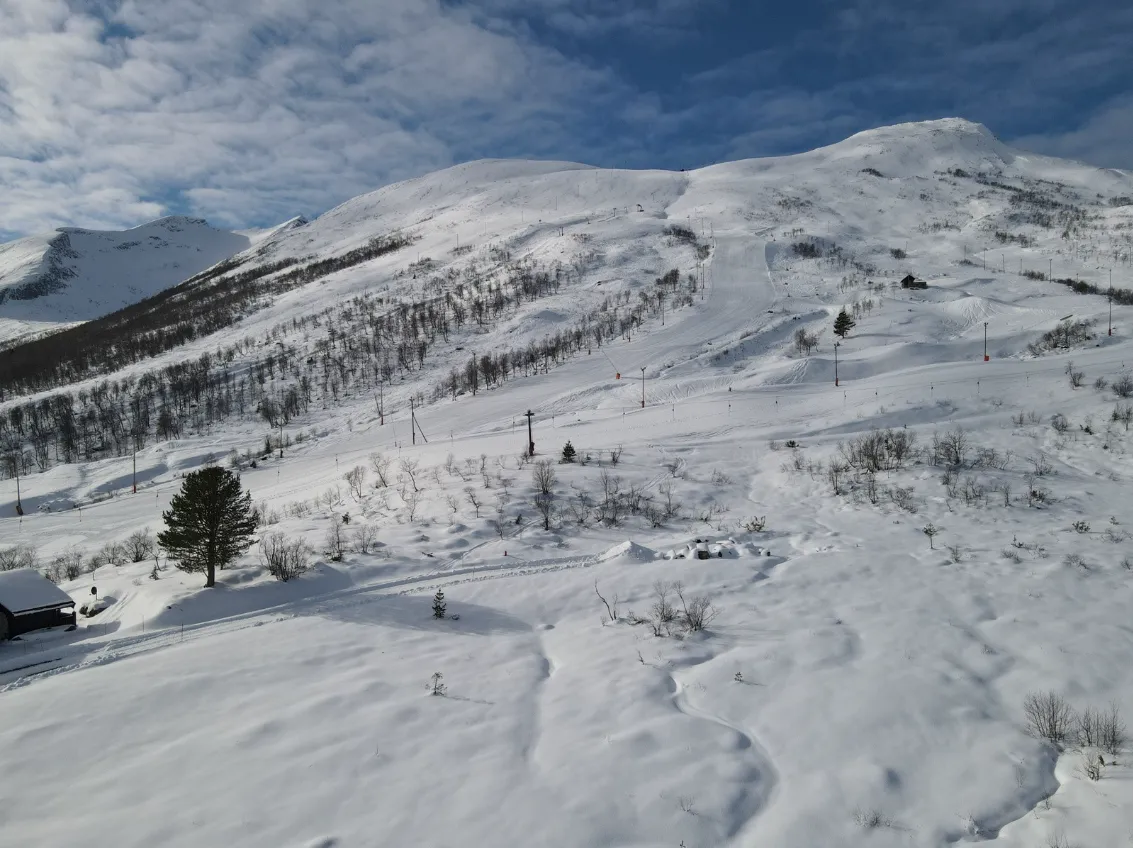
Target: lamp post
x,y
986,357
836,345
530,439
643,387
1109,327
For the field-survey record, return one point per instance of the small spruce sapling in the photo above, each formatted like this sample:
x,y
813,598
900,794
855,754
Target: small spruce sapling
x,y
436,687
930,531
569,453
439,605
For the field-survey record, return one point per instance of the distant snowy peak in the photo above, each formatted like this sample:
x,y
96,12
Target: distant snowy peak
x,y
76,274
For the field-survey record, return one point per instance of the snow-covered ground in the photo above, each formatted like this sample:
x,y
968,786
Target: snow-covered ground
x,y
862,683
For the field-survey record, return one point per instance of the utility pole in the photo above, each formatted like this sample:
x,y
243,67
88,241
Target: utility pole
x,y
643,387
412,421
1050,271
1109,328
530,439
135,471
381,403
18,460
986,357
836,344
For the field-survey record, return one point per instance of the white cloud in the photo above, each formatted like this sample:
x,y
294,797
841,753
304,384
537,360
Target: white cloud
x,y
258,111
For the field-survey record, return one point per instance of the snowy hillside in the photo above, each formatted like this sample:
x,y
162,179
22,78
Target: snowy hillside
x,y
906,539
72,275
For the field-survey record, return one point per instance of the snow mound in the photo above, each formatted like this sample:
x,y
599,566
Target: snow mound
x,y
628,551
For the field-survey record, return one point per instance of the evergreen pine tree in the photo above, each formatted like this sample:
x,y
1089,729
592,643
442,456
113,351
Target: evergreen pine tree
x,y
568,452
439,604
843,324
209,523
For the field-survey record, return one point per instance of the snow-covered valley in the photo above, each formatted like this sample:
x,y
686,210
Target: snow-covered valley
x,y
881,614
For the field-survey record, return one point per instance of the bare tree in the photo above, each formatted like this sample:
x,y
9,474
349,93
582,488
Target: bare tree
x,y
545,506
454,507
140,545
412,501
662,614
410,468
612,612
380,464
695,613
355,479
473,499
672,507
543,476
336,541
284,558
1049,717
612,502
365,535
805,342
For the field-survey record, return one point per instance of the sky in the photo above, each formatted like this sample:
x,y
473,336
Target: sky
x,y
115,112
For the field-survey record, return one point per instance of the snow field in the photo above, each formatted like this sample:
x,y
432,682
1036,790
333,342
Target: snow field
x,y
858,688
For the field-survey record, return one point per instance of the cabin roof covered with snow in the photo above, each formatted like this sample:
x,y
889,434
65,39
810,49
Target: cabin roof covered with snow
x,y
26,590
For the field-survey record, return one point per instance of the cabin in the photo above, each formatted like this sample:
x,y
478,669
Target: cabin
x,y
29,601
911,282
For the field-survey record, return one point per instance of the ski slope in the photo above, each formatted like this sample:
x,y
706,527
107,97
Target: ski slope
x,y
862,685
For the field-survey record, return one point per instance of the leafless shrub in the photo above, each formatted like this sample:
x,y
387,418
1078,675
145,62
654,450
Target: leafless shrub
x,y
662,614
1075,561
675,467
1012,554
1059,423
545,505
879,450
719,478
695,613
473,499
355,480
805,342
335,542
871,819
955,554
139,546
543,476
615,455
1076,376
285,558
835,475
755,524
580,508
1048,716
1005,490
654,514
687,804
410,468
380,464
951,448
1080,526
1123,386
1116,537
611,611
972,491
365,535
903,499
611,506
412,502
1122,413
1101,384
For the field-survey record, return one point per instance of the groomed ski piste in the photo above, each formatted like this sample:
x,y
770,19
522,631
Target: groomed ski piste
x,y
862,682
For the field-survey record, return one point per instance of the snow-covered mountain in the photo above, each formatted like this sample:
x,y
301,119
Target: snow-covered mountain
x,y
56,279
913,532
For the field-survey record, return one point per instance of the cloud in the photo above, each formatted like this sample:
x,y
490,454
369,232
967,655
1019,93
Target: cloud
x,y
1103,139
255,112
